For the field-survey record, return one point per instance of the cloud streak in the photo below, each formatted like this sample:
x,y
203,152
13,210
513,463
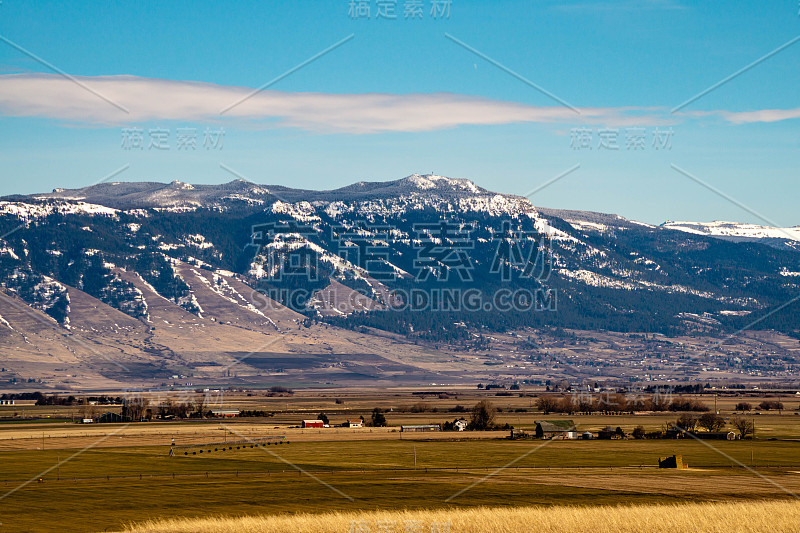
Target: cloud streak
x,y
148,100
762,115
159,100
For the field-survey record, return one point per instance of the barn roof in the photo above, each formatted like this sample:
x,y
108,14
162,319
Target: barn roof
x,y
556,425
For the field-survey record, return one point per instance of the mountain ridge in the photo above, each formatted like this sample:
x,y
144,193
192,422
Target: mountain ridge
x,y
206,272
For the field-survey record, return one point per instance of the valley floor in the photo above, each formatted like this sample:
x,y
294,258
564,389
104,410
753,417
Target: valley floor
x,y
57,475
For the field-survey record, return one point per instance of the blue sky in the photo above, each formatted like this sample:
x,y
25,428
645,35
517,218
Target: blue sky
x,y
400,97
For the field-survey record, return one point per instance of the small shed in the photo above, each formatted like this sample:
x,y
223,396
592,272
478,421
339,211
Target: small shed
x,y
421,428
674,461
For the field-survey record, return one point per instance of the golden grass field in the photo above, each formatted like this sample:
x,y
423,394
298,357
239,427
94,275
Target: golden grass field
x,y
764,516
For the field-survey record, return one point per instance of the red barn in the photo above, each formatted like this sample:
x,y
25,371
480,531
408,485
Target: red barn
x,y
312,424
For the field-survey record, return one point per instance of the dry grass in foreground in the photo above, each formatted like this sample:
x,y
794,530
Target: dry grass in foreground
x,y
773,516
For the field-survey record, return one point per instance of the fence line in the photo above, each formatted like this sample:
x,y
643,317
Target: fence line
x,y
421,470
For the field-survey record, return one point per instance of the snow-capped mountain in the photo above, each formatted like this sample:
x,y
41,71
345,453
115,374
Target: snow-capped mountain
x,y
264,259
739,232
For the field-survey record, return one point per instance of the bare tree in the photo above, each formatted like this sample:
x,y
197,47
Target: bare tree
x,y
200,405
584,404
166,408
743,425
687,422
547,404
770,404
566,405
88,410
660,402
483,415
135,407
711,422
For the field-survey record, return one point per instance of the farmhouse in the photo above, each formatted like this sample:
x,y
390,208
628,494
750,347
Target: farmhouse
x,y
424,427
354,423
548,429
312,424
225,413
460,424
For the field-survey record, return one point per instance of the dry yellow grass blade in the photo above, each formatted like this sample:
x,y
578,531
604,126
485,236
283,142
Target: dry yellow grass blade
x,y
772,516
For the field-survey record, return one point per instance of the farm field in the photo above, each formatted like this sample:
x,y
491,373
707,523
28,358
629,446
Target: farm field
x,y
108,487
97,477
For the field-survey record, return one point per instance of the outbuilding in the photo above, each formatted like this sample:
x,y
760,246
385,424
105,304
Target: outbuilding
x,y
312,424
420,428
715,435
225,413
548,429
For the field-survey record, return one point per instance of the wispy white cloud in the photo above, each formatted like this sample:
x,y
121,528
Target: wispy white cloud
x,y
148,100
762,115
744,117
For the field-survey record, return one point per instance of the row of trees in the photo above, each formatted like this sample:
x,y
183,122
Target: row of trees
x,y
690,423
138,408
766,405
713,422
377,420
616,403
55,399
